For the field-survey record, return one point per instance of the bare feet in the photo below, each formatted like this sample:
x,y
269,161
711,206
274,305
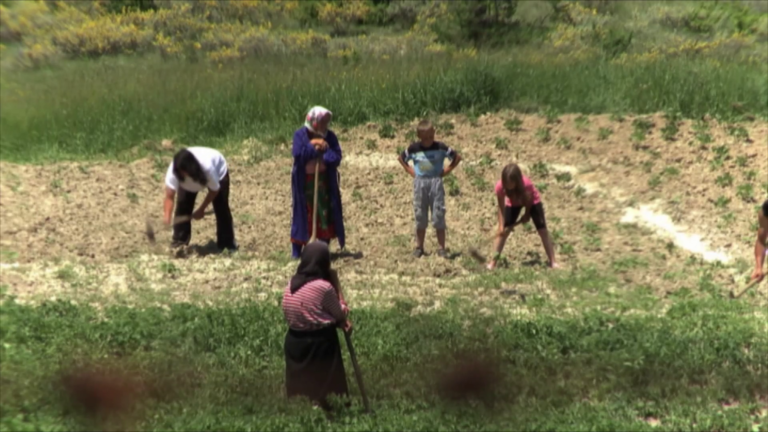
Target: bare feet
x,y
554,265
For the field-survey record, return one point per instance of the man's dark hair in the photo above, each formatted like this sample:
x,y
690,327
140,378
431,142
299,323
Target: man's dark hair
x,y
185,161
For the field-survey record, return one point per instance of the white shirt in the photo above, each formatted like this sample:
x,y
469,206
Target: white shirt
x,y
213,164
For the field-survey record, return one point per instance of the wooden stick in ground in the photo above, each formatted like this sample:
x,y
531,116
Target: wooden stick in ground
x,y
314,202
358,375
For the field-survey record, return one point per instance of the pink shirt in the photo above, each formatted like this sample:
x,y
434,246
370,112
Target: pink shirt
x,y
313,307
529,187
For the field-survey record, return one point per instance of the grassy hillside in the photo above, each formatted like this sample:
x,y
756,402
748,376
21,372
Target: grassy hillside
x,y
215,72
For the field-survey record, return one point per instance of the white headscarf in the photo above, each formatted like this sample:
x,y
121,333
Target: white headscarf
x,y
314,116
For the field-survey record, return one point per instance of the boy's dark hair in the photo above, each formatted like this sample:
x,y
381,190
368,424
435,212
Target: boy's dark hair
x,y
513,173
424,126
185,161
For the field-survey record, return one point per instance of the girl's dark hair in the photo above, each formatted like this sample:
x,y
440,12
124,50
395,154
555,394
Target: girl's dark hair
x,y
185,161
513,173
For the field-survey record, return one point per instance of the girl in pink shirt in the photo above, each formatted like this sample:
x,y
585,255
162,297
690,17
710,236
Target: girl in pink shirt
x,y
513,192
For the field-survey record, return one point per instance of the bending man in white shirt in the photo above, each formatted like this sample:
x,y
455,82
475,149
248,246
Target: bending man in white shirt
x,y
192,170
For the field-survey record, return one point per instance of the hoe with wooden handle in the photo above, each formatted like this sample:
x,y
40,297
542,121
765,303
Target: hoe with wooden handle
x,y
150,231
314,202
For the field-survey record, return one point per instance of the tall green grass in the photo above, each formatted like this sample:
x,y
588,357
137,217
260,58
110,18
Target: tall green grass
x,y
98,109
594,372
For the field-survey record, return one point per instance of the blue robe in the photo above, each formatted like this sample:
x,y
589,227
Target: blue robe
x,y
304,152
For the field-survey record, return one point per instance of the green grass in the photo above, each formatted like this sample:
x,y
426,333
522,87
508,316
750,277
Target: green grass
x,y
596,371
99,109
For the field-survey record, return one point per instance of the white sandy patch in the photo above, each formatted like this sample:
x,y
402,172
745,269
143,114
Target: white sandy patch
x,y
648,216
663,226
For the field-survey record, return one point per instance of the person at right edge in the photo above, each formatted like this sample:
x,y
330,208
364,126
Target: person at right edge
x,y
314,306
760,243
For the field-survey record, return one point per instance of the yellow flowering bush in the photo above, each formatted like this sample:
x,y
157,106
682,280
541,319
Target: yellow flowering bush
x,y
340,16
23,19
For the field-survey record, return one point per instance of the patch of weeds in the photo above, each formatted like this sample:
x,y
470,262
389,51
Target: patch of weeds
x,y
557,235
647,166
745,192
389,178
704,138
452,184
591,227
8,255
724,180
603,133
158,163
540,169
485,161
670,129
473,118
729,217
567,249
579,192
445,127
641,128
564,177
750,175
83,169
400,240
722,202
480,183
387,131
738,132
168,268
700,126
543,134
542,187
514,124
721,152
742,161
623,265
501,143
564,143
551,114
617,117
654,181
357,195
581,122
593,243
133,198
56,184
670,247
371,144
670,171
66,274
410,136
470,171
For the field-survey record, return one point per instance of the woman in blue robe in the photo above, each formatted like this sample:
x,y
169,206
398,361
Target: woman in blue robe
x,y
312,141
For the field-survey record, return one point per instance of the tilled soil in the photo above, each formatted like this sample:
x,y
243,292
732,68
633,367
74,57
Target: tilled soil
x,y
96,213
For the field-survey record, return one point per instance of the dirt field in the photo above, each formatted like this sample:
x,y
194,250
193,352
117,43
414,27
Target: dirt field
x,y
81,226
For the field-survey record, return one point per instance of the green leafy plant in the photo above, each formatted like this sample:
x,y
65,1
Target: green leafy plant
x,y
387,131
514,124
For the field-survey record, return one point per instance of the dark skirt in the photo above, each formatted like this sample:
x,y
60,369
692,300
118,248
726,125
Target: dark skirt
x,y
313,365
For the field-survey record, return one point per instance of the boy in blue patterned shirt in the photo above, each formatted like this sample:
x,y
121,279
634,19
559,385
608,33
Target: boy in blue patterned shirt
x,y
428,158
